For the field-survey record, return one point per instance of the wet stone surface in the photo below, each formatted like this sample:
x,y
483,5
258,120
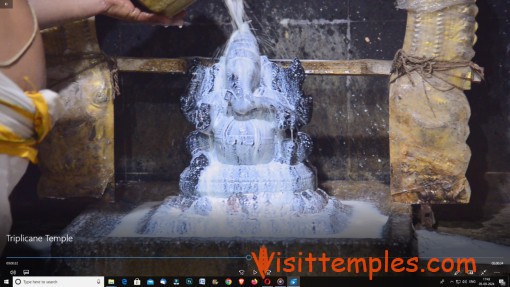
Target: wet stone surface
x,y
93,228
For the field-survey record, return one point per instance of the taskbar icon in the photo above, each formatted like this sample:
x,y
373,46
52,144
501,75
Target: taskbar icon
x,y
224,281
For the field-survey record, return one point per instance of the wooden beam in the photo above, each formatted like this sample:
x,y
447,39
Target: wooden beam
x,y
366,67
172,66
344,67
312,67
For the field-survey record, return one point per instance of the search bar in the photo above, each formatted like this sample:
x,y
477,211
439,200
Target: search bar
x,y
56,281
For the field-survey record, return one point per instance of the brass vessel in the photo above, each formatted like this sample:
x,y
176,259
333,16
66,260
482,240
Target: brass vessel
x,y
168,8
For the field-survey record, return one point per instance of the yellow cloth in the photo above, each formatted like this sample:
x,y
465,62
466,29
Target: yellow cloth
x,y
15,145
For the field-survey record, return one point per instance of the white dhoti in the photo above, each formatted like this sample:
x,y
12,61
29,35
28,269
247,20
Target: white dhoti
x,y
12,169
25,118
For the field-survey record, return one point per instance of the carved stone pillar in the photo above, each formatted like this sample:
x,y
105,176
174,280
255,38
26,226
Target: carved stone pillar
x,y
429,112
77,157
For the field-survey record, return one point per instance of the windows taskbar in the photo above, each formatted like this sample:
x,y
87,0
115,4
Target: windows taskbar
x,y
251,281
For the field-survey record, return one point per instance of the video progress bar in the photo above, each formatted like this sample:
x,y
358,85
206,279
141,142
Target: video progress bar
x,y
247,257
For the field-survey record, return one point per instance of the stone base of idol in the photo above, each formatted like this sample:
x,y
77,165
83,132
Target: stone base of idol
x,y
107,238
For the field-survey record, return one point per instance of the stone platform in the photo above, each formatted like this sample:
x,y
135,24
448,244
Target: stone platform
x,y
96,235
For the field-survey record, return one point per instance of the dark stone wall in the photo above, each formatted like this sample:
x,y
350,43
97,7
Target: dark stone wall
x,y
350,121
490,101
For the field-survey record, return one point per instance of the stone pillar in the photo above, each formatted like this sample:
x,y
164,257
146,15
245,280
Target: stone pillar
x,y
429,112
77,157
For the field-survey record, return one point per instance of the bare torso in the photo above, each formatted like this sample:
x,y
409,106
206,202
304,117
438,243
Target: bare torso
x,y
16,28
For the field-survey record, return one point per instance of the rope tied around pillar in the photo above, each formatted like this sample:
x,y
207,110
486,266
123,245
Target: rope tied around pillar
x,y
430,68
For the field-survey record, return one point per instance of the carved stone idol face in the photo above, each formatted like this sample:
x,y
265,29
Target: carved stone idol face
x,y
242,61
243,133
